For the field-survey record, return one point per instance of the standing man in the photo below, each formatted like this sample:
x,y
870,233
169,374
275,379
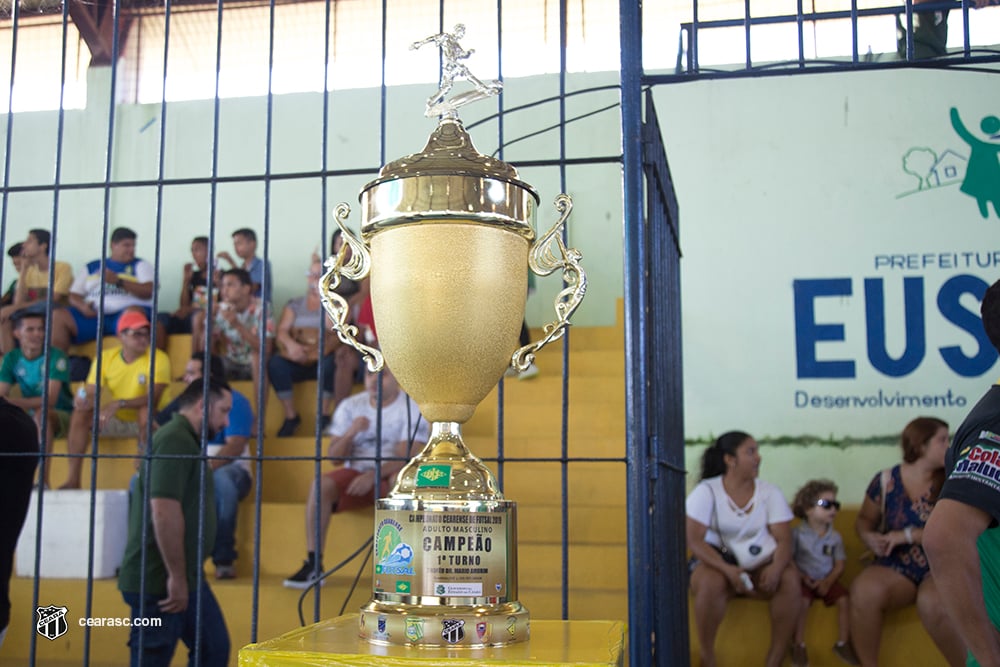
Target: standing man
x,y
33,283
179,518
352,486
245,247
16,472
128,374
229,458
127,281
26,367
962,536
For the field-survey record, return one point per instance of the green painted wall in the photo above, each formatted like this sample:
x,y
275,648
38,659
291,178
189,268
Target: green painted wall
x,y
779,179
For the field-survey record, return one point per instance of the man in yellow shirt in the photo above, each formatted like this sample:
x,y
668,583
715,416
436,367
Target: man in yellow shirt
x,y
33,284
125,375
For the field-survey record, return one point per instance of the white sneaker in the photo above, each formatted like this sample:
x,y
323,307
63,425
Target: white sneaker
x,y
528,373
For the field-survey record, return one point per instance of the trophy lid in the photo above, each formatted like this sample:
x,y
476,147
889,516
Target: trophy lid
x,y
449,180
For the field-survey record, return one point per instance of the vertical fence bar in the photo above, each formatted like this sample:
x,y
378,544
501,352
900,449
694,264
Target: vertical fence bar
x,y
107,188
692,43
665,407
501,387
564,404
854,31
746,31
642,630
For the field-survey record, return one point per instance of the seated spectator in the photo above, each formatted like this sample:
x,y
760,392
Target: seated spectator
x,y
298,353
820,558
125,374
236,325
127,282
229,453
359,302
194,289
891,523
14,252
739,532
33,282
352,486
245,247
25,367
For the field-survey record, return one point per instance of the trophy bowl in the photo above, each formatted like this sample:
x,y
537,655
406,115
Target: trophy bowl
x,y
448,300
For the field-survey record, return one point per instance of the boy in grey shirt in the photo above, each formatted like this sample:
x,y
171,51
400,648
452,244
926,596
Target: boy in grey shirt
x,y
819,554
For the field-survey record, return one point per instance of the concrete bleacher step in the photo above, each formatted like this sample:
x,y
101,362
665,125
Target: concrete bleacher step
x,y
596,518
283,533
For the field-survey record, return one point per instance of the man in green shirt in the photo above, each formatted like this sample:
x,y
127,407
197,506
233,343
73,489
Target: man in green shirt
x,y
26,367
170,583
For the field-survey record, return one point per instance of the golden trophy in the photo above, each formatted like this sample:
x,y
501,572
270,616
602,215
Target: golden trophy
x,y
447,239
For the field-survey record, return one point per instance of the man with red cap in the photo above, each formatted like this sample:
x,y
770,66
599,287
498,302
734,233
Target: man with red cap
x,y
125,374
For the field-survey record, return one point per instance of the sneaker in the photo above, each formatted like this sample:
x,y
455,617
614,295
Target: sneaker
x,y
528,373
845,652
306,576
799,656
288,427
225,571
324,423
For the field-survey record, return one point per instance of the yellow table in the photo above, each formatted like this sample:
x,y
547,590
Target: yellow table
x,y
335,643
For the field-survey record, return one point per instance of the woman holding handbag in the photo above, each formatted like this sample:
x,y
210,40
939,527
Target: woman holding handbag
x,y
891,524
739,532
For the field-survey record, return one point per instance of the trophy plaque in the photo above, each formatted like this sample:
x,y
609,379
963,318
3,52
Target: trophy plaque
x,y
447,239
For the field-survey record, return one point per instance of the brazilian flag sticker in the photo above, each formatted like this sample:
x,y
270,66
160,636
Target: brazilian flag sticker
x,y
402,587
435,475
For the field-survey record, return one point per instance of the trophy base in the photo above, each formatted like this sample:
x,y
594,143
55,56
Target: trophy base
x,y
444,626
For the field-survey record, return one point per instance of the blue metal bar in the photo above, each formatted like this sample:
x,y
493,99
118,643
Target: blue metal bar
x,y
854,31
746,32
966,49
641,610
564,429
146,462
108,183
501,387
909,29
801,28
692,43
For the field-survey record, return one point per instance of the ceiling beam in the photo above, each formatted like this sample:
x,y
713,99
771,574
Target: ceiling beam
x,y
95,20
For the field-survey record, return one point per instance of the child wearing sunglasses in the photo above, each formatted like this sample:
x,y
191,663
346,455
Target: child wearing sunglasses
x,y
819,554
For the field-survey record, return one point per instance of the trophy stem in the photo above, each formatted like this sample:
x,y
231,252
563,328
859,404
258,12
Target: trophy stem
x,y
446,470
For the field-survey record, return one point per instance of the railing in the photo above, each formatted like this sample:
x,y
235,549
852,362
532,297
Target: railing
x,y
689,66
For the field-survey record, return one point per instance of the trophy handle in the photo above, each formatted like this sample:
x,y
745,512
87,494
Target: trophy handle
x,y
355,268
543,261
